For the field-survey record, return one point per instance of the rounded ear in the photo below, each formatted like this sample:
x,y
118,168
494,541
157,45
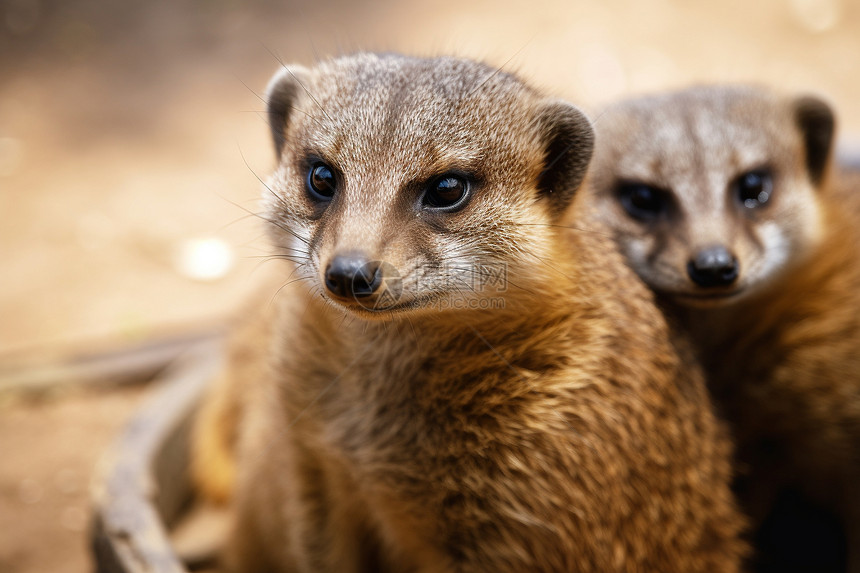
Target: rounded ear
x,y
817,125
568,140
281,94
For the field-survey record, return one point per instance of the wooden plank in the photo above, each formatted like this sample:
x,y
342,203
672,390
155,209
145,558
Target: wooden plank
x,y
142,484
124,365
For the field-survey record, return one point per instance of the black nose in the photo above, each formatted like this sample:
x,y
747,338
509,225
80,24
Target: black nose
x,y
352,276
713,267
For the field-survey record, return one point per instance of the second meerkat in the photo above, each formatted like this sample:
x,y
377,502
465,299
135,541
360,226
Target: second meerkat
x,y
406,419
724,201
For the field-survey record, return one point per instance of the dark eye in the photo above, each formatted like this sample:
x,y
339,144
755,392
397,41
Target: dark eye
x,y
448,192
754,188
321,182
642,201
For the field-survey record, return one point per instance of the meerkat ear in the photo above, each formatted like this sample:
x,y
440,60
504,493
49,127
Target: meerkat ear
x,y
817,125
281,94
568,140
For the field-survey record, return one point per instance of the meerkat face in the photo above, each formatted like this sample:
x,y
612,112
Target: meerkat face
x,y
409,184
712,191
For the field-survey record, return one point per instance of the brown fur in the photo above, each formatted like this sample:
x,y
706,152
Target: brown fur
x,y
558,432
782,349
215,431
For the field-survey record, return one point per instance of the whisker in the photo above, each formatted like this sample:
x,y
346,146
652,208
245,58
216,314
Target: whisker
x,y
412,326
500,68
298,81
283,286
571,227
277,198
551,267
241,81
292,258
597,119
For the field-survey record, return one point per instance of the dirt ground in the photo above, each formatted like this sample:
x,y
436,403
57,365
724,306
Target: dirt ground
x,y
131,137
49,447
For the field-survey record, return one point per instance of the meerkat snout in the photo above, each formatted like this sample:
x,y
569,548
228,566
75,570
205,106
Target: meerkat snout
x,y
713,267
352,275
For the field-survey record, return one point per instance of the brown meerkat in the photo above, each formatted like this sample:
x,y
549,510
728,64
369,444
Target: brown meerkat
x,y
724,201
409,418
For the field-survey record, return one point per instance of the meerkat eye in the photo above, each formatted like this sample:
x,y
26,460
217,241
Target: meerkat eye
x,y
448,192
753,188
321,182
642,201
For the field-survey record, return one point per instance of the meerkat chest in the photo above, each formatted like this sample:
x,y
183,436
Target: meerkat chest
x,y
425,407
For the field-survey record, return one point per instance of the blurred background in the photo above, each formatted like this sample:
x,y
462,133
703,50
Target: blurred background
x,y
131,137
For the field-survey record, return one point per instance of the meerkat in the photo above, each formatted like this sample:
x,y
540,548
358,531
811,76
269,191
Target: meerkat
x,y
725,202
405,417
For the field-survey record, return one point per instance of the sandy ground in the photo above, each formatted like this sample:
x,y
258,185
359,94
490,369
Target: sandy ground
x,y
48,451
130,132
